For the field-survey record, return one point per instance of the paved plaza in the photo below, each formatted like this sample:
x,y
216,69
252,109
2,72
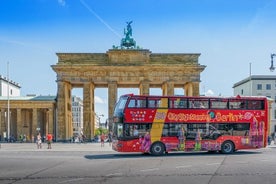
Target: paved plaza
x,y
65,147
56,147
81,163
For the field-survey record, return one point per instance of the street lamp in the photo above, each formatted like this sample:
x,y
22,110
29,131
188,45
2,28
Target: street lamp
x,y
272,68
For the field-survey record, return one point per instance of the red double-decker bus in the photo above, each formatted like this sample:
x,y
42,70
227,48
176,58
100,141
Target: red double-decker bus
x,y
162,124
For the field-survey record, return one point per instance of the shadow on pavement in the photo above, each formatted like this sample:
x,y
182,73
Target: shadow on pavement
x,y
171,154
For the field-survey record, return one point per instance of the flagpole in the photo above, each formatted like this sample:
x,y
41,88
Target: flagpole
x,y
8,90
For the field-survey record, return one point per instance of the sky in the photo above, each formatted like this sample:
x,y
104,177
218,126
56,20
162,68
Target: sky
x,y
234,37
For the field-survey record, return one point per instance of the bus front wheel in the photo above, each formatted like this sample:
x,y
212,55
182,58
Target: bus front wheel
x,y
227,147
157,148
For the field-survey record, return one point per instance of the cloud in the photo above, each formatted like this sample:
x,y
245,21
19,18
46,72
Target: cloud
x,y
209,93
98,100
61,2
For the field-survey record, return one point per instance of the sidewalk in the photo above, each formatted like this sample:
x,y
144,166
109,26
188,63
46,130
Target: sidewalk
x,y
55,147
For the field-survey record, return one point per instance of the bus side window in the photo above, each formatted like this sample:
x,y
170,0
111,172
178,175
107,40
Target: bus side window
x,y
163,103
218,104
242,105
182,104
132,103
255,104
151,104
177,103
141,103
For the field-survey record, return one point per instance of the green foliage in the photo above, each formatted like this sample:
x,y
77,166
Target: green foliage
x,y
101,130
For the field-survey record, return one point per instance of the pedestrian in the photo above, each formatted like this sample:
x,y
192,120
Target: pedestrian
x,y
24,138
102,139
269,140
39,141
21,138
49,140
83,138
146,142
110,138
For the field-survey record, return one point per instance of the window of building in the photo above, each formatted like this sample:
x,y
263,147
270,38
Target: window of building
x,y
274,113
259,86
268,86
242,91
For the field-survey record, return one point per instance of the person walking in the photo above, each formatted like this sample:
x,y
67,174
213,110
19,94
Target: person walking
x,y
38,141
110,138
49,140
102,139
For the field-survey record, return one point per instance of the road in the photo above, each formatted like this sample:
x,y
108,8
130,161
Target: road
x,y
89,163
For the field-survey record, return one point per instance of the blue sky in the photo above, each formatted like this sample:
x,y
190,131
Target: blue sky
x,y
229,34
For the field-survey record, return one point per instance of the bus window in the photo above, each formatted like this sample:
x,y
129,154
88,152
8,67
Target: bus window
x,y
237,104
120,106
132,103
118,130
157,102
137,103
255,104
163,103
178,103
166,130
198,103
219,103
136,130
152,103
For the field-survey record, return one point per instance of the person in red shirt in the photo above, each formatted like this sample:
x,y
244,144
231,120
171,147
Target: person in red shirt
x,y
49,140
102,139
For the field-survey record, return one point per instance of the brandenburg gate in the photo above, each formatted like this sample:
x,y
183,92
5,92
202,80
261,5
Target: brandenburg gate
x,y
126,66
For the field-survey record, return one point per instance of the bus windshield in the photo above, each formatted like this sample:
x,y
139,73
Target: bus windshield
x,y
120,106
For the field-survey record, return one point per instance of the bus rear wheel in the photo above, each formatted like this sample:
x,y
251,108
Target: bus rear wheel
x,y
157,148
227,147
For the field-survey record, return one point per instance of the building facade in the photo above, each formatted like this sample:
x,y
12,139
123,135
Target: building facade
x,y
77,115
259,85
27,115
9,85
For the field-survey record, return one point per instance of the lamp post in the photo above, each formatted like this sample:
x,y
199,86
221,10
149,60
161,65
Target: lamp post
x,y
272,68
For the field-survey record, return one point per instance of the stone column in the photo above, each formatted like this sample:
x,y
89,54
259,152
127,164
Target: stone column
x,y
112,97
34,122
2,123
195,86
168,88
19,122
88,110
188,89
192,89
144,87
50,120
63,108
